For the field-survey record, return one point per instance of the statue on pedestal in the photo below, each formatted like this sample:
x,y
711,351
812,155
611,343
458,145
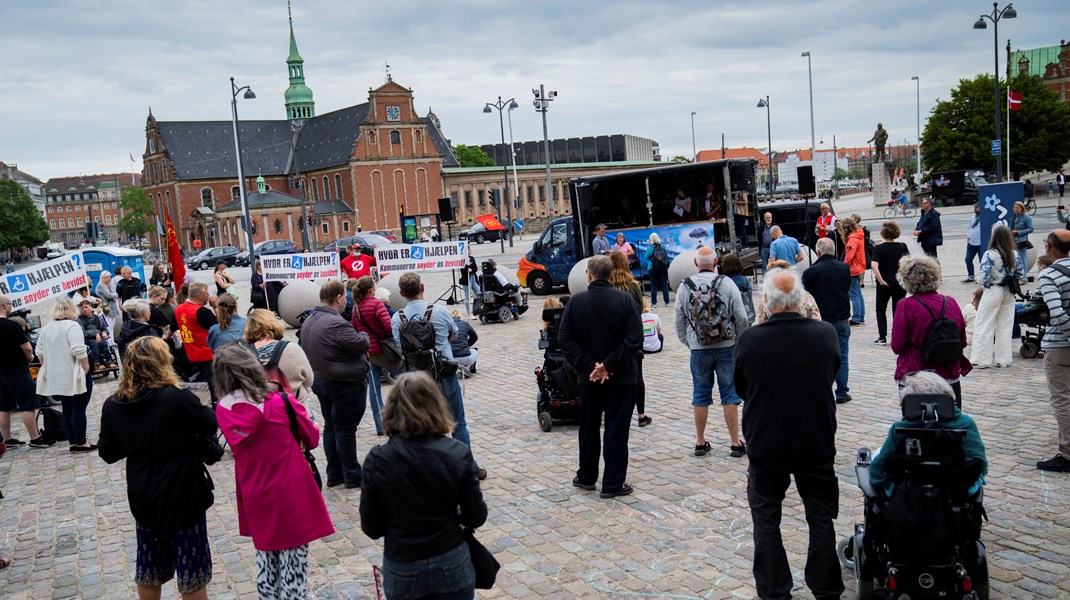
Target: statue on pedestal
x,y
879,139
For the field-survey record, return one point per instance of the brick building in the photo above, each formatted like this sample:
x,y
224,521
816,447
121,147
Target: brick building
x,y
72,202
351,169
1051,64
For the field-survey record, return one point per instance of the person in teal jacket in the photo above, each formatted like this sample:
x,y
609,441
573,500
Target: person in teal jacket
x,y
927,382
1021,227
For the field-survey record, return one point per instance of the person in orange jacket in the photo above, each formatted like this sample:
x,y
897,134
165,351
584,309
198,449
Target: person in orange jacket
x,y
855,257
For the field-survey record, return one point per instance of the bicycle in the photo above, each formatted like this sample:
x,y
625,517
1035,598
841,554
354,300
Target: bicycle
x,y
1031,205
895,210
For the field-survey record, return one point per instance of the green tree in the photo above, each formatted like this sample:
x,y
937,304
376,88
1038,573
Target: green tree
x,y
858,173
21,225
840,173
680,159
137,209
472,156
959,132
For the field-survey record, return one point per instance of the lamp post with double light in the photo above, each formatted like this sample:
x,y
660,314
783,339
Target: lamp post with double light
x,y
1008,12
505,198
810,77
249,95
542,104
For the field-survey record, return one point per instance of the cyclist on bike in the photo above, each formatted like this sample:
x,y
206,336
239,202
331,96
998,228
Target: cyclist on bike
x,y
901,200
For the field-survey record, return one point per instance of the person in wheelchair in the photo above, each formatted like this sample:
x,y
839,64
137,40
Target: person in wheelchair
x,y
495,282
883,463
96,337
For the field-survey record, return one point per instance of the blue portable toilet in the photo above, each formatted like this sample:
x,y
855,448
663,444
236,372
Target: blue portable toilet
x,y
106,258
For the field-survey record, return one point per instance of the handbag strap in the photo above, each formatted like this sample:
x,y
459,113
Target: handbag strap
x,y
366,326
292,415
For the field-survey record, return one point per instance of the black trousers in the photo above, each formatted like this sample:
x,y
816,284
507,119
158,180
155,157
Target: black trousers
x,y
343,404
929,251
640,388
617,401
884,294
767,480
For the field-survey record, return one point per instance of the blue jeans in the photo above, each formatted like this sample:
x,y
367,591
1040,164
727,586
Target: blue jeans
x,y
74,407
659,281
342,403
451,389
707,365
843,331
1023,262
448,576
375,394
858,302
765,258
971,253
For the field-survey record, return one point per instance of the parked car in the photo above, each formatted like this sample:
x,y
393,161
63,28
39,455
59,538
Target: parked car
x,y
479,234
387,234
210,257
367,240
268,247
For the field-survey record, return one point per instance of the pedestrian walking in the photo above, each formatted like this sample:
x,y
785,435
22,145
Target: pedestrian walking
x,y
601,336
709,316
855,256
279,503
1054,285
917,318
1000,271
928,231
336,352
163,432
973,242
419,489
790,425
371,317
1021,226
17,389
1060,180
829,280
885,267
65,373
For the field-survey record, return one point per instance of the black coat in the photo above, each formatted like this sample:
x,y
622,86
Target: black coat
x,y
131,330
932,234
829,281
411,491
157,433
789,411
602,325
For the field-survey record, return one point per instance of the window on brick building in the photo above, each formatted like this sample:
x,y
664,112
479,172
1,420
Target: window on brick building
x,y
326,189
315,189
345,226
78,208
235,193
49,210
419,137
79,219
395,137
326,228
107,219
52,223
338,187
206,197
70,222
468,198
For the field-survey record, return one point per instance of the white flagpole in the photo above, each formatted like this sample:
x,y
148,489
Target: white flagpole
x,y
1008,132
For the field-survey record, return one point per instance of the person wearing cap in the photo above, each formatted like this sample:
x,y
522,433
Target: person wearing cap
x,y
357,264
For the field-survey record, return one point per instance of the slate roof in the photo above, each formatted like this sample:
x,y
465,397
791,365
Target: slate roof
x,y
205,149
332,207
268,199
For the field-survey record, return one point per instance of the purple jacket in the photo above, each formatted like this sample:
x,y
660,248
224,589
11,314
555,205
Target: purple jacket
x,y
909,327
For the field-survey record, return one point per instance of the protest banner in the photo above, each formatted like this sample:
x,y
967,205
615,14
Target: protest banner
x,y
997,206
45,281
438,256
298,267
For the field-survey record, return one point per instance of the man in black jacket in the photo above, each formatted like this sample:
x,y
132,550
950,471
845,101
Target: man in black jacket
x,y
789,422
829,281
929,232
601,335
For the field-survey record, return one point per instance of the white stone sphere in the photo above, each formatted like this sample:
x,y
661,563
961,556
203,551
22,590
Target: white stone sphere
x,y
577,277
296,298
682,266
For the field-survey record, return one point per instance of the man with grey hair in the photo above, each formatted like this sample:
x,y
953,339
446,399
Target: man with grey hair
x,y
17,390
601,336
600,245
765,237
784,247
135,325
790,424
829,281
711,359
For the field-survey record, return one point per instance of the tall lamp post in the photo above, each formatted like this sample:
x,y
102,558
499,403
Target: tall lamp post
x,y
694,148
917,178
506,198
512,159
542,104
810,76
249,95
764,103
1008,12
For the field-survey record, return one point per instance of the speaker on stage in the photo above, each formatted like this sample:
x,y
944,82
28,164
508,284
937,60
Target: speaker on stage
x,y
807,185
445,210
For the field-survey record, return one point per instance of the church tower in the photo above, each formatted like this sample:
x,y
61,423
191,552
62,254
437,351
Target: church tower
x,y
299,103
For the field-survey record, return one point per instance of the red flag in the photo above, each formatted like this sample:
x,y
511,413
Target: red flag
x,y
490,222
1014,101
174,253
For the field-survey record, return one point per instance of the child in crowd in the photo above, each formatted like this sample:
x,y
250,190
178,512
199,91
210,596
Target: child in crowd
x,y
652,337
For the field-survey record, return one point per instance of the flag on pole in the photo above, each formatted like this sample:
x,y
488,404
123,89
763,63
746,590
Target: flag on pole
x,y
159,228
1014,101
174,253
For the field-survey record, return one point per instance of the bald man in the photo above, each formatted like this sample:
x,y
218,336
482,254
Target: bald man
x,y
1054,285
789,422
711,359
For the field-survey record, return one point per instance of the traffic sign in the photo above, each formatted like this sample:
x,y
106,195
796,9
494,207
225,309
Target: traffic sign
x,y
997,147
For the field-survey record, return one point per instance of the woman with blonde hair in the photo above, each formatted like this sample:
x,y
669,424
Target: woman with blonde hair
x,y
621,278
162,431
263,333
64,373
1000,268
231,325
418,490
279,502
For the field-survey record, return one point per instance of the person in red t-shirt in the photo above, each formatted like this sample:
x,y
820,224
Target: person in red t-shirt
x,y
357,264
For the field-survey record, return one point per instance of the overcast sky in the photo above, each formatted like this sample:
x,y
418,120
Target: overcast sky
x,y
80,75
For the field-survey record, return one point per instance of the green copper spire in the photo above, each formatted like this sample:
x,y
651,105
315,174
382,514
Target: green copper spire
x,y
299,103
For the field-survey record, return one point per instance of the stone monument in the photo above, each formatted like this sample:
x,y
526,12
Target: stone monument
x,y
882,184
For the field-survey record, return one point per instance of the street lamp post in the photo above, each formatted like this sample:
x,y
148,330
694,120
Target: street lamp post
x,y
694,148
917,178
1008,12
542,104
810,76
249,95
764,103
506,198
512,160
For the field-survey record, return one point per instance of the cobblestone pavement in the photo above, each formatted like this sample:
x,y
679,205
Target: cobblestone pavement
x,y
684,533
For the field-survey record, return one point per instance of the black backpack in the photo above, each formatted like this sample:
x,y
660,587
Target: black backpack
x,y
50,424
943,342
418,342
659,259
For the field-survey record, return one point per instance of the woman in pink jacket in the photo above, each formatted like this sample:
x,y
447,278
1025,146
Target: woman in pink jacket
x,y
279,504
371,317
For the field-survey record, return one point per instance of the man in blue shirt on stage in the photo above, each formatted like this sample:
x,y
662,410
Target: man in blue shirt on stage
x,y
784,247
